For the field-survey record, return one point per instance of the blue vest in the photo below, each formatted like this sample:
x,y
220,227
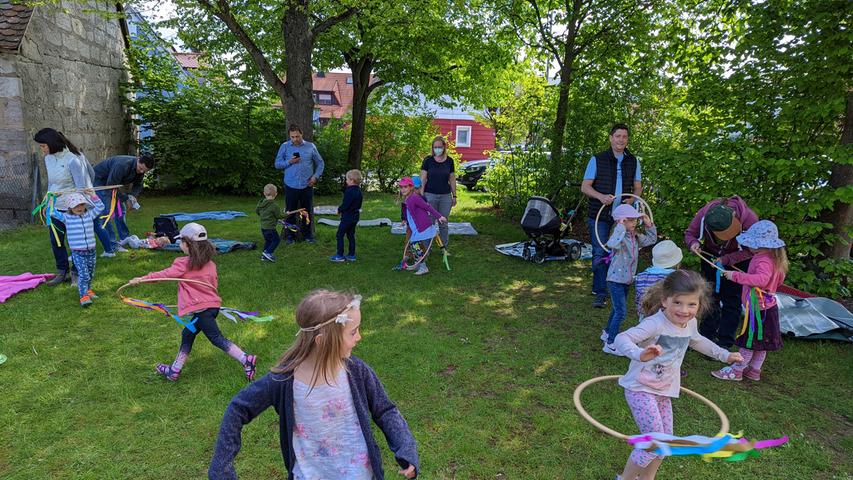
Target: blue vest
x,y
605,179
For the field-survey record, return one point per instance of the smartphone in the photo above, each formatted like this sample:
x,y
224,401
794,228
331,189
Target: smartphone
x,y
296,154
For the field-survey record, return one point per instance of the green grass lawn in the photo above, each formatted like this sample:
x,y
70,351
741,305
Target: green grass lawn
x,y
481,361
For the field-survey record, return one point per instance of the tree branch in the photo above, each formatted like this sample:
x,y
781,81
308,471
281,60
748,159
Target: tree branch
x,y
332,21
222,11
546,35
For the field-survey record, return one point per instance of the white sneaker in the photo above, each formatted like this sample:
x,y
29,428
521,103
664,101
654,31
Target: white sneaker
x,y
412,268
603,336
108,255
611,349
120,249
422,269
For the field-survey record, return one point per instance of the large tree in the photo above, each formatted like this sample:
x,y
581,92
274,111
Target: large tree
x,y
277,37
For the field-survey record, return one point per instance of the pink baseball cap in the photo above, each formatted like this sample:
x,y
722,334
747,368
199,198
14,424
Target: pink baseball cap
x,y
626,211
193,231
406,182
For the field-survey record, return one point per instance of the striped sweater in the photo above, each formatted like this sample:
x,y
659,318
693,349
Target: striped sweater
x,y
80,229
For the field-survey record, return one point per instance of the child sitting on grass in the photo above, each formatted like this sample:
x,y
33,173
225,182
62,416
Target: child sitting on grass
x,y
80,233
270,214
325,400
350,211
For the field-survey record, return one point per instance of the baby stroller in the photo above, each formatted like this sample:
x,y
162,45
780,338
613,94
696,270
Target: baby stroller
x,y
545,227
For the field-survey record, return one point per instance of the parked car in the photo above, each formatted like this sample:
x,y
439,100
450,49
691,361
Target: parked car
x,y
472,172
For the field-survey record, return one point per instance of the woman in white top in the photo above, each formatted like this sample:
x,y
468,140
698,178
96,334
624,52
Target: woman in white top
x,y
67,169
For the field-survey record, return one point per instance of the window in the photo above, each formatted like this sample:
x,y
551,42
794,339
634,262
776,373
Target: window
x,y
349,80
324,98
463,136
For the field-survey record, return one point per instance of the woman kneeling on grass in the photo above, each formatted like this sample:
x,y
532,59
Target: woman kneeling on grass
x,y
325,399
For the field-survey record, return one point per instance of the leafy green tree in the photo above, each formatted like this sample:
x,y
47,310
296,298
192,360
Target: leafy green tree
x,y
392,146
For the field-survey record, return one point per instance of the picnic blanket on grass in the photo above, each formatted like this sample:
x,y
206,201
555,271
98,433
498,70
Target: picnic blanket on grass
x,y
815,318
516,249
11,285
453,228
222,245
376,222
212,215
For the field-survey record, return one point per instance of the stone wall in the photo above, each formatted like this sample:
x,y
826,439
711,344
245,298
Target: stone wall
x,y
66,76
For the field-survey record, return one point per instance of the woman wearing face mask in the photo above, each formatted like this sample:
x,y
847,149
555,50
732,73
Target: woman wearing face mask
x,y
439,182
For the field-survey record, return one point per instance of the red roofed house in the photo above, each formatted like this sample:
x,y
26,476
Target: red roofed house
x,y
333,98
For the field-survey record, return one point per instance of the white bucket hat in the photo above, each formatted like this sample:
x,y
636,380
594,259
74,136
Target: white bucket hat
x,y
666,254
762,234
193,231
71,200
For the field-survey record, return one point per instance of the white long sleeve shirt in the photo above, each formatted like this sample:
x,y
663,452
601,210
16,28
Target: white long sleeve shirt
x,y
661,375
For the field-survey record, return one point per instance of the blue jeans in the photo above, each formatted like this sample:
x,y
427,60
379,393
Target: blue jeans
x,y
599,269
619,302
104,228
57,244
346,227
271,240
300,198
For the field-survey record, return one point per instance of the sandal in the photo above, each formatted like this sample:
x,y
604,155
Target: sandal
x,y
168,372
249,366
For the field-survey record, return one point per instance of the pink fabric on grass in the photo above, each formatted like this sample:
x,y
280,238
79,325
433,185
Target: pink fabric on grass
x,y
10,285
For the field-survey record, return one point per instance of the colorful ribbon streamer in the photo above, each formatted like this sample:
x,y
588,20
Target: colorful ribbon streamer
x,y
159,307
730,448
719,265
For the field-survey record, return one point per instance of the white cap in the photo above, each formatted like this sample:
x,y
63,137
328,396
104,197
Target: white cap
x,y
666,254
193,231
71,200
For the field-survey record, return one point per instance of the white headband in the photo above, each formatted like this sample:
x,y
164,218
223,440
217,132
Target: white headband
x,y
341,318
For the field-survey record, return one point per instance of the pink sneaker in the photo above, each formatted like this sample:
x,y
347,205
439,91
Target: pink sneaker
x,y
728,373
249,366
168,372
752,374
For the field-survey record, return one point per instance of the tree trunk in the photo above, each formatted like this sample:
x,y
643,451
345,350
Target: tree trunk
x,y
566,78
840,214
297,97
360,68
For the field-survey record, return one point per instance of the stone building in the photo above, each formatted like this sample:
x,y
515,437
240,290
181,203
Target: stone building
x,y
60,66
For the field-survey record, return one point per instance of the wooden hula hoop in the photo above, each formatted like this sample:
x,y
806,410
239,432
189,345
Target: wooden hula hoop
x,y
169,279
576,397
643,205
80,190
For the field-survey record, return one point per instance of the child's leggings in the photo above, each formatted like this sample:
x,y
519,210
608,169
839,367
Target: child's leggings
x,y
84,260
206,322
751,358
653,413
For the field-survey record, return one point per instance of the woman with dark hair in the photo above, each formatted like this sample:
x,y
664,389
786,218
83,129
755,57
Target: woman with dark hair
x,y
439,180
67,169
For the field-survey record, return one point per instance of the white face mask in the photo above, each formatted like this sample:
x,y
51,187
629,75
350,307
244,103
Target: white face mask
x,y
438,150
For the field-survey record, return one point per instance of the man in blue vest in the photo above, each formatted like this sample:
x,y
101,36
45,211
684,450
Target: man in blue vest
x,y
608,175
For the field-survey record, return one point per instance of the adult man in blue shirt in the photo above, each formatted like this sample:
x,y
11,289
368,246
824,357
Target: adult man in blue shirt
x,y
119,170
603,184
302,165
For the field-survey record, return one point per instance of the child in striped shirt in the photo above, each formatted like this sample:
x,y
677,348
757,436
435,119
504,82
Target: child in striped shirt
x,y
665,259
80,235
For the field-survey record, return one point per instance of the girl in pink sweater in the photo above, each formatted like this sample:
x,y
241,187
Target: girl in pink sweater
x,y
201,301
760,332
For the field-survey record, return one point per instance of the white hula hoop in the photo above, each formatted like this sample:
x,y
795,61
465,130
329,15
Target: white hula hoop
x,y
645,206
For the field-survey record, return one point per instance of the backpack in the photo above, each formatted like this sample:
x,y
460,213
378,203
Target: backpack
x,y
165,225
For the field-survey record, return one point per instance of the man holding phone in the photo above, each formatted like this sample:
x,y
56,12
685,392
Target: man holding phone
x,y
302,165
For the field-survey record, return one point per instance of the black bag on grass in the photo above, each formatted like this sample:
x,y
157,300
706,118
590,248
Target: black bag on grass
x,y
165,225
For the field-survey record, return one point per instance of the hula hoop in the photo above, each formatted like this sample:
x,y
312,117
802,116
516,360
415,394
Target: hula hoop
x,y
643,205
159,307
423,256
80,190
576,397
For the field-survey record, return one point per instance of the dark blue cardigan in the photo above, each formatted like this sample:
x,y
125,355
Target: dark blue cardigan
x,y
276,390
351,205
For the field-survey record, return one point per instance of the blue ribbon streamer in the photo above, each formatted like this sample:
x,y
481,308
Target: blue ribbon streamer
x,y
719,272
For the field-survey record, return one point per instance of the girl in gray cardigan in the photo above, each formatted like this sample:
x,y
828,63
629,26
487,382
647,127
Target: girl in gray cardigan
x,y
625,244
325,399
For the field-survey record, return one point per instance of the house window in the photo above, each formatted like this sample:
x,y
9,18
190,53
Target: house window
x,y
349,80
324,98
463,136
